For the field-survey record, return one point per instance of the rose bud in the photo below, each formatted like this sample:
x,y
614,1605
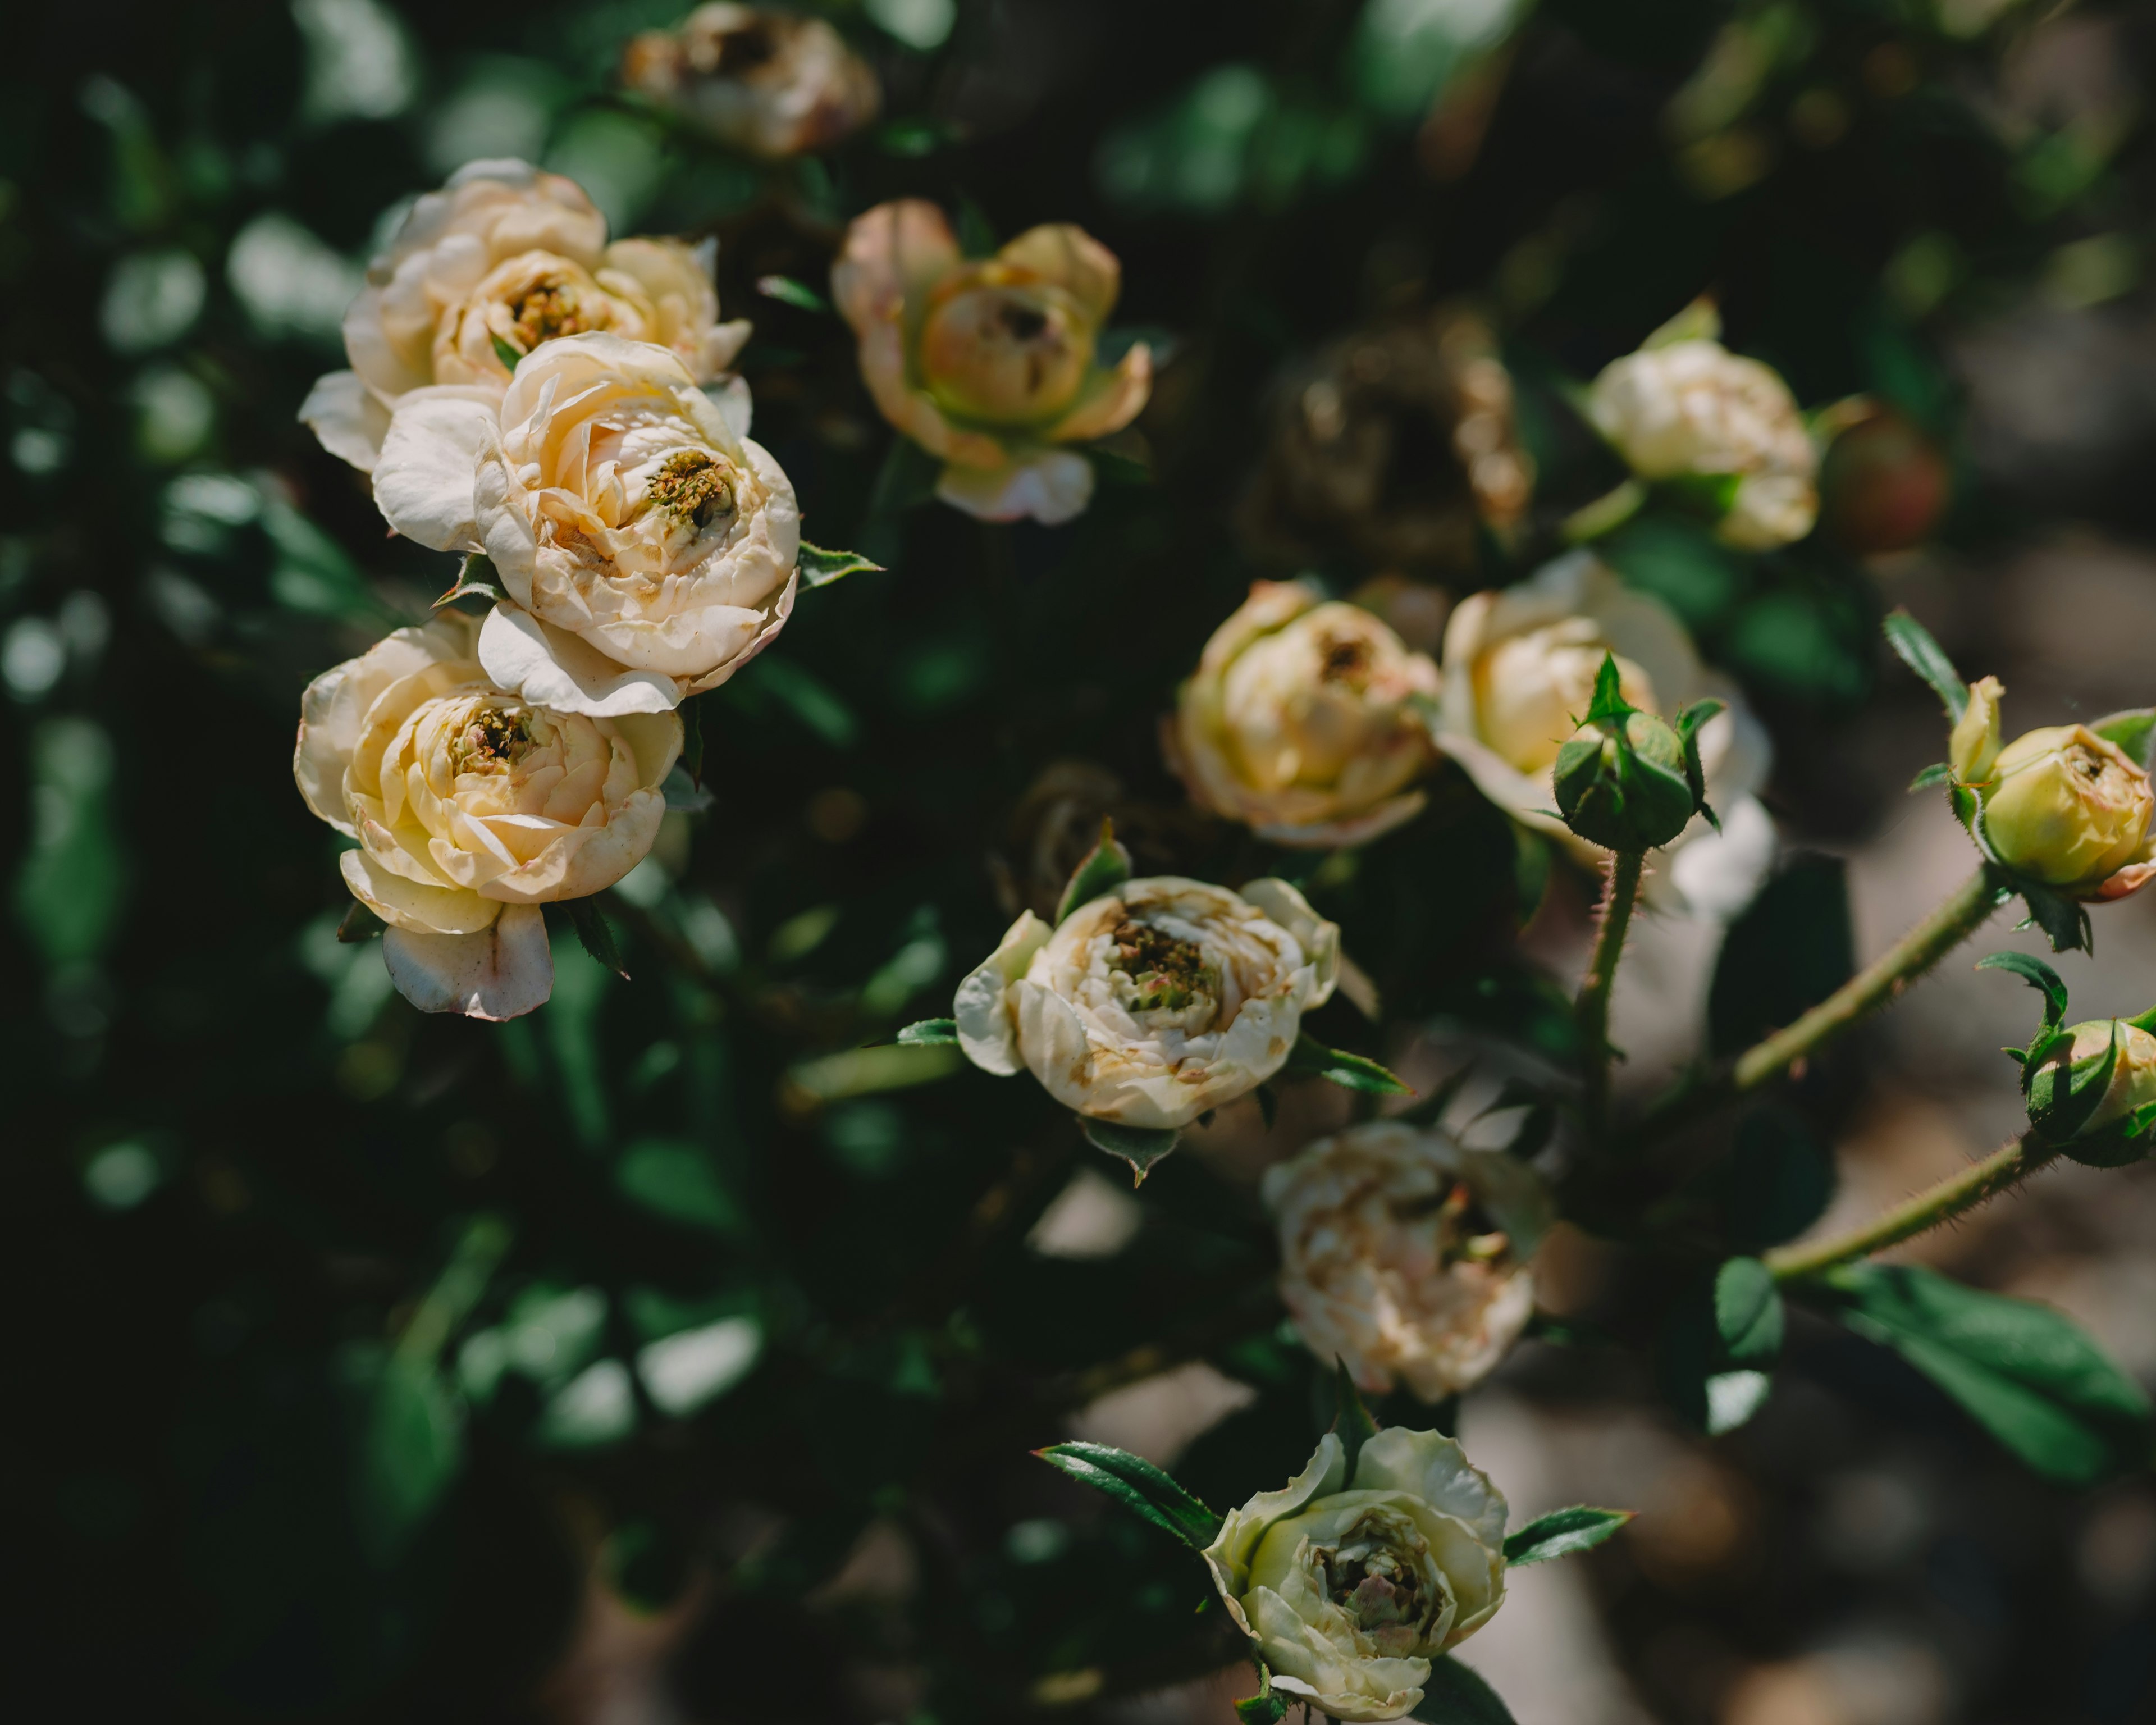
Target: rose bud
x,y
502,259
1685,408
1351,1587
2107,1129
990,365
473,807
1405,1256
1973,747
1155,1002
1628,780
768,84
1884,484
1307,720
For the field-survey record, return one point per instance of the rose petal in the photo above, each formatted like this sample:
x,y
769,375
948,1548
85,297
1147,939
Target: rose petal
x,y
550,667
503,972
347,417
430,456
1052,488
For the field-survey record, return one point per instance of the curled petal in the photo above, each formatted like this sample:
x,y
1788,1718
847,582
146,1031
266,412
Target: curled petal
x,y
430,457
986,1030
500,973
550,667
1070,258
1110,401
348,418
410,905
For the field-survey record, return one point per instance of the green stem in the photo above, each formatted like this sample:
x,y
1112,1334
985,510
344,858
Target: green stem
x,y
1930,1207
1878,982
1591,1011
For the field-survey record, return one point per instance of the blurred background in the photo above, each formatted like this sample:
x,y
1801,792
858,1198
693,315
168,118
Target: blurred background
x,y
672,1355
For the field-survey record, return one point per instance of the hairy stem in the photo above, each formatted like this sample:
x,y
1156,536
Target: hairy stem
x,y
1916,1215
1591,1011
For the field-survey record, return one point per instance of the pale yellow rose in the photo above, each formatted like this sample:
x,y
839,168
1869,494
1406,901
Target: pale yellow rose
x,y
989,365
1149,1006
1351,1587
770,84
1405,1255
2066,808
472,809
1307,720
502,259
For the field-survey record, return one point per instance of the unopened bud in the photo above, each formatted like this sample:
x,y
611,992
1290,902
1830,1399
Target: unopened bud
x,y
2104,1129
2064,806
1626,798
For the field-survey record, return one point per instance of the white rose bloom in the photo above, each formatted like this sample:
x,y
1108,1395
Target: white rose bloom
x,y
1519,671
472,809
1152,1005
772,83
502,259
1692,408
1405,1255
649,552
1307,720
1352,1587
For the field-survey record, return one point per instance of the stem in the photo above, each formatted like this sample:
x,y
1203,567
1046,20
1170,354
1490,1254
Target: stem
x,y
1591,1011
1930,1207
1959,917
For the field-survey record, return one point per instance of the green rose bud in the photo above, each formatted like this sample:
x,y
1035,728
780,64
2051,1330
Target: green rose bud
x,y
1628,780
2090,1099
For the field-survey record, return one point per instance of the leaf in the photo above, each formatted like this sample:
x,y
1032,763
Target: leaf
x,y
1913,642
1937,773
2038,975
594,934
1264,1707
1353,1423
1791,949
931,1033
408,1446
1698,1374
1139,1487
1562,1533
1350,1071
820,567
506,353
2064,922
2133,731
1141,1146
1776,1183
788,291
1748,1312
1452,1694
1101,871
472,581
675,1179
2030,1376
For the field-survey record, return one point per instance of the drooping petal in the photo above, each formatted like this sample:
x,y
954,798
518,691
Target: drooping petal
x,y
550,667
430,460
347,417
987,1034
413,906
1052,488
502,972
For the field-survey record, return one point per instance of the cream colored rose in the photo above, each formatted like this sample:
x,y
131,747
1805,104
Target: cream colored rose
x,y
989,365
1308,720
472,809
1405,1255
502,259
772,83
1152,1005
1693,409
1352,1587
1519,672
2072,809
649,551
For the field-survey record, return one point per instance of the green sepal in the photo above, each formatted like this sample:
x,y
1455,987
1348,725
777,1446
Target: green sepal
x,y
820,567
1141,1146
1352,1423
2123,1143
1453,1694
1608,706
2038,975
931,1033
595,935
1562,1533
2133,731
1913,643
788,291
2059,1119
1747,1313
506,353
1937,773
1139,1487
471,582
2065,921
1105,868
1264,1707
1350,1071
1701,321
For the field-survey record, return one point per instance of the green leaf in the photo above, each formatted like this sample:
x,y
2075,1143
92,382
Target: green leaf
x,y
2133,731
820,567
1791,949
409,1445
675,1179
1103,868
2065,922
473,581
508,355
1937,773
1353,1422
2030,1376
788,291
1452,1694
1913,642
1562,1533
1139,1487
595,934
931,1033
1697,1372
1141,1146
1350,1071
1776,1183
2038,975
1748,1312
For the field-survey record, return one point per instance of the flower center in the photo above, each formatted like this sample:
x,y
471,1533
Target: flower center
x,y
691,486
1167,974
493,740
1379,1587
1347,659
550,307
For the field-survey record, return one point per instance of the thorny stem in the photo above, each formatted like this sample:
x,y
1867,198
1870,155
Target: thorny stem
x,y
1930,1207
1591,1011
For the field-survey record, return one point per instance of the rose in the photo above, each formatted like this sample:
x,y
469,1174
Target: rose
x,y
2067,808
502,259
769,83
1306,720
1351,1587
1519,671
1689,409
1154,1004
473,807
988,365
648,551
2132,1086
1405,1255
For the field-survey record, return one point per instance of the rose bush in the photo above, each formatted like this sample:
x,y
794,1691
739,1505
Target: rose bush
x,y
648,552
473,807
1351,1586
990,365
503,259
1307,720
772,83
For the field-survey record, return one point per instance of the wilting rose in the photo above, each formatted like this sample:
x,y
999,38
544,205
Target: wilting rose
x,y
502,259
1519,673
473,807
990,365
1350,1587
1405,1255
1397,442
1689,409
649,552
2065,807
1154,1004
1307,720
770,84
